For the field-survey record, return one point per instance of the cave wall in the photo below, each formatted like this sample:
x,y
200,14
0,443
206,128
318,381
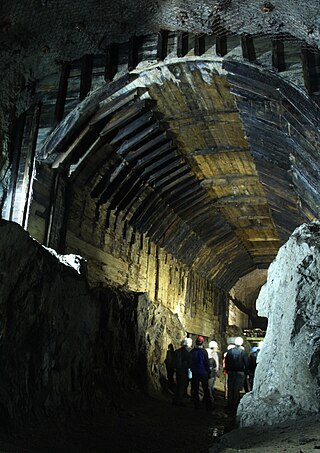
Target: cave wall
x,y
66,346
287,381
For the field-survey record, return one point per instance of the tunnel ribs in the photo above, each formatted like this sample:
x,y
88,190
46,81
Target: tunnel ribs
x,y
130,170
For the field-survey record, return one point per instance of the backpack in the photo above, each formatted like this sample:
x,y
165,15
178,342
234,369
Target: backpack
x,y
237,359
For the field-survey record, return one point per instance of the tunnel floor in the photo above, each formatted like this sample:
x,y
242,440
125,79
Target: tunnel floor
x,y
136,423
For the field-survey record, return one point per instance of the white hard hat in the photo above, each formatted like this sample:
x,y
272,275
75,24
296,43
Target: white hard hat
x,y
213,344
238,341
187,342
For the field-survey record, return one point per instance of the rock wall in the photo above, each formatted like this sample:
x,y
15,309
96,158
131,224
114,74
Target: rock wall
x,y
65,347
287,382
124,258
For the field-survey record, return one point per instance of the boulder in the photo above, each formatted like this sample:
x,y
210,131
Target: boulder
x,y
287,380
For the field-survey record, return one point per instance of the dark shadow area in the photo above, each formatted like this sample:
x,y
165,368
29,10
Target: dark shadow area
x,y
132,422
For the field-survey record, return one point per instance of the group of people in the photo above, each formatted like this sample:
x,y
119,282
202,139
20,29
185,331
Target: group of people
x,y
196,365
201,365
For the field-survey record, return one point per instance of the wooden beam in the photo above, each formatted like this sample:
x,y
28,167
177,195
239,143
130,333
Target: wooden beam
x,y
247,45
111,107
235,200
123,118
199,45
135,44
127,130
112,61
16,142
254,217
221,46
86,75
62,92
183,44
310,65
162,46
218,149
138,138
278,59
230,179
30,162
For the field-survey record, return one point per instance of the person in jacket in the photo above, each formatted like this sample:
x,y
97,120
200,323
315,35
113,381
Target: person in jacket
x,y
212,351
182,363
169,361
236,365
200,368
252,364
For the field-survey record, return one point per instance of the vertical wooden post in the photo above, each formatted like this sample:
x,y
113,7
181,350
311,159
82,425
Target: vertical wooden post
x,y
16,152
86,75
247,45
183,44
162,47
221,46
199,45
62,92
112,61
278,59
133,56
30,162
309,69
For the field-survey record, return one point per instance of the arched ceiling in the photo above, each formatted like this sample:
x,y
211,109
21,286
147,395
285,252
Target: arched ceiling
x,y
213,156
166,150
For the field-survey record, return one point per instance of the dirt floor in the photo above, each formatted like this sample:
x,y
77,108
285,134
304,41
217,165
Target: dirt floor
x,y
134,423
301,436
141,424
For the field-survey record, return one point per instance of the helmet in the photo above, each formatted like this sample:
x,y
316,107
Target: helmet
x,y
213,344
238,341
254,349
187,342
199,340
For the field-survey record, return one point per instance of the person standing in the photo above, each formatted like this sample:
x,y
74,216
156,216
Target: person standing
x,y
182,363
169,361
236,364
212,351
200,371
252,364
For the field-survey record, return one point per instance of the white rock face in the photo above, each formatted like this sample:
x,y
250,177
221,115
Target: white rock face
x,y
287,380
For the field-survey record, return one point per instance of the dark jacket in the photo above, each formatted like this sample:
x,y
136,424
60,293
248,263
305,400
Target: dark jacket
x,y
199,361
182,360
236,360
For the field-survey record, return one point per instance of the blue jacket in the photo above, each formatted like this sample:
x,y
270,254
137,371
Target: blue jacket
x,y
199,361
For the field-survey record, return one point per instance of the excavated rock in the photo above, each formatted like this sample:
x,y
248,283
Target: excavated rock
x,y
288,375
66,347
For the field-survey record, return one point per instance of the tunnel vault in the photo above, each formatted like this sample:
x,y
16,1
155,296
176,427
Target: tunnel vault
x,y
172,161
207,153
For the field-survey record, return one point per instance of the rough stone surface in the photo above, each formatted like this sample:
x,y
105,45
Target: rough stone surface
x,y
288,376
65,346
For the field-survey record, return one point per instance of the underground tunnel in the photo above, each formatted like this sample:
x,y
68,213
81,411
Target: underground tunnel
x,y
159,179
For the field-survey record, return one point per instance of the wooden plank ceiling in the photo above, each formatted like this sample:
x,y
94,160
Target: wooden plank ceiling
x,y
204,120
168,154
